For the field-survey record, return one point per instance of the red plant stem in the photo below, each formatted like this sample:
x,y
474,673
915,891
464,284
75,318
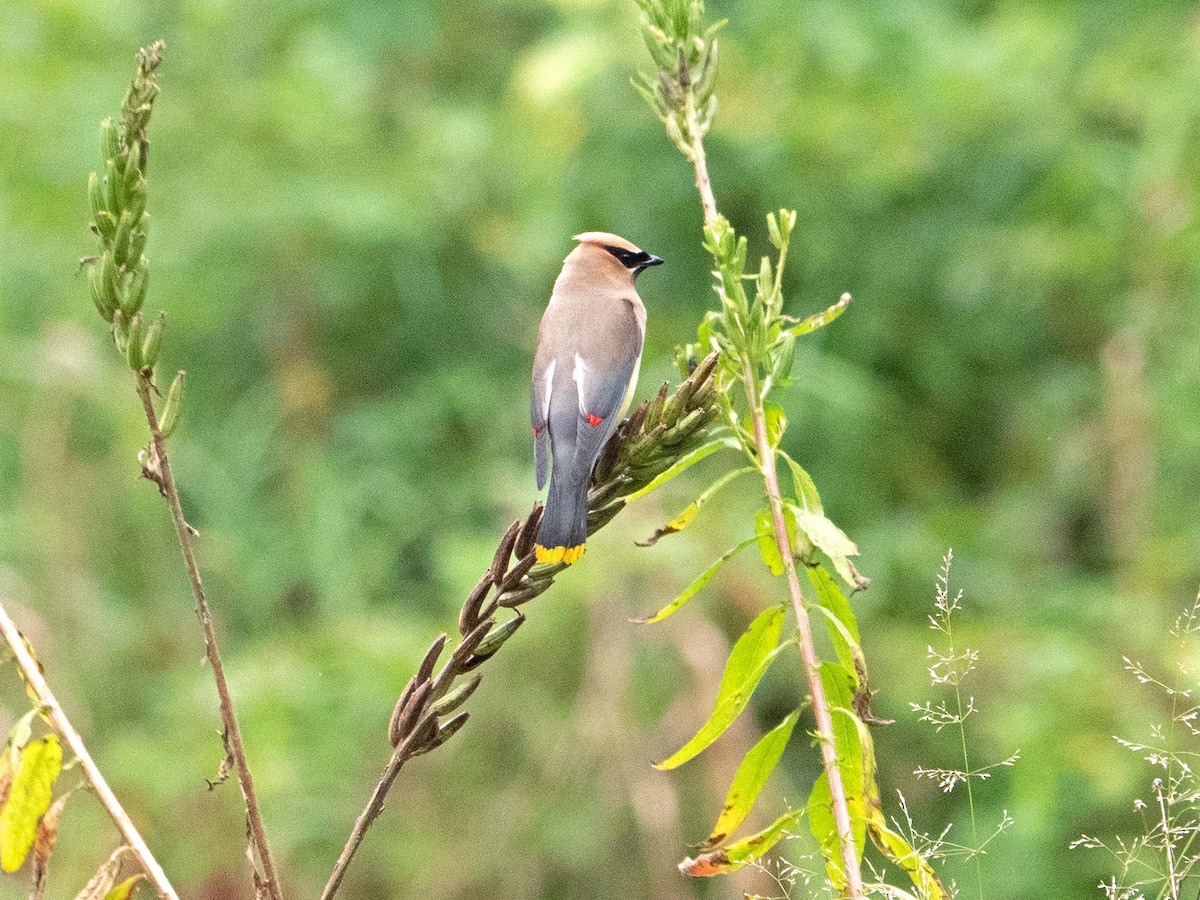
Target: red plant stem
x,y
812,663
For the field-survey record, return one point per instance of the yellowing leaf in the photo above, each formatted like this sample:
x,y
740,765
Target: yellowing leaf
x,y
124,889
731,858
821,319
689,512
28,800
899,851
776,422
750,779
833,542
748,662
696,586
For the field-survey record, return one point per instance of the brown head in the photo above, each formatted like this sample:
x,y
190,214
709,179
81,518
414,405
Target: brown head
x,y
609,256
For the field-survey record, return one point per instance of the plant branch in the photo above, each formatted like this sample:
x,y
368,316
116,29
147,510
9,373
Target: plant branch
x,y
700,162
157,467
812,664
33,677
655,437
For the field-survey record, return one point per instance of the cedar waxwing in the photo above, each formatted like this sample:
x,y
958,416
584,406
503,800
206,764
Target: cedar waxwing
x,y
584,374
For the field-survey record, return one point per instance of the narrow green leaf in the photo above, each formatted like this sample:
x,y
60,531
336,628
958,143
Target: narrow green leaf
x,y
28,800
776,422
764,530
696,586
821,319
840,622
750,779
689,512
803,486
839,695
685,463
748,662
731,858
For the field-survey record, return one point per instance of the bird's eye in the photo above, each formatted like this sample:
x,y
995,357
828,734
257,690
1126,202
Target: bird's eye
x,y
628,258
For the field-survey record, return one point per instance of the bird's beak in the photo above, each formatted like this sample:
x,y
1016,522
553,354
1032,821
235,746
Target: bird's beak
x,y
654,261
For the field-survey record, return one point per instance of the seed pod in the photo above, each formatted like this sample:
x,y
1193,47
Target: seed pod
x,y
503,552
153,343
110,142
137,205
171,409
137,238
431,657
456,697
407,711
517,572
444,734
110,277
115,188
133,349
95,196
103,302
131,170
135,290
468,617
497,636
470,641
121,241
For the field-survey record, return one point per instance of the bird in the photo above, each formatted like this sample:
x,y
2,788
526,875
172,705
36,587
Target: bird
x,y
584,374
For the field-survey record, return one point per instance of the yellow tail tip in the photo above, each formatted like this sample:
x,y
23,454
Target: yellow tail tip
x,y
551,555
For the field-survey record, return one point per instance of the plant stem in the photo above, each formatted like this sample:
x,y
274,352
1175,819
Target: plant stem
x,y
812,664
700,161
58,718
374,807
256,833
766,456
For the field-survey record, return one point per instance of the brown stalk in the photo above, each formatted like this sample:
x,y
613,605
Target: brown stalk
x,y
51,707
158,469
656,435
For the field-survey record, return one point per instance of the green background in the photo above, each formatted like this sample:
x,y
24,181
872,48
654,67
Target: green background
x,y
359,209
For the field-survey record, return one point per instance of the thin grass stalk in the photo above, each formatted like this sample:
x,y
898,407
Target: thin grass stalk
x,y
53,709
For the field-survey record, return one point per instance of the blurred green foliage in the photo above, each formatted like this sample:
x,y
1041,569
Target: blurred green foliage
x,y
359,209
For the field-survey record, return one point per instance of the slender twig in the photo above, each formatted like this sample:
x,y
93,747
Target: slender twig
x,y
654,438
700,162
51,707
812,664
232,733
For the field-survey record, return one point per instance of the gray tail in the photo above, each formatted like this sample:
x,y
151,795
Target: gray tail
x,y
563,530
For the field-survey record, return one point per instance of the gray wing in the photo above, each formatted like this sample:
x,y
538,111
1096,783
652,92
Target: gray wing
x,y
538,416
603,381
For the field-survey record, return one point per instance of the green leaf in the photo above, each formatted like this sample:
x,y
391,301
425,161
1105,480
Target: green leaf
x,y
840,622
839,696
684,519
750,779
696,586
776,422
731,858
749,660
833,542
764,530
821,319
685,463
803,486
28,800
